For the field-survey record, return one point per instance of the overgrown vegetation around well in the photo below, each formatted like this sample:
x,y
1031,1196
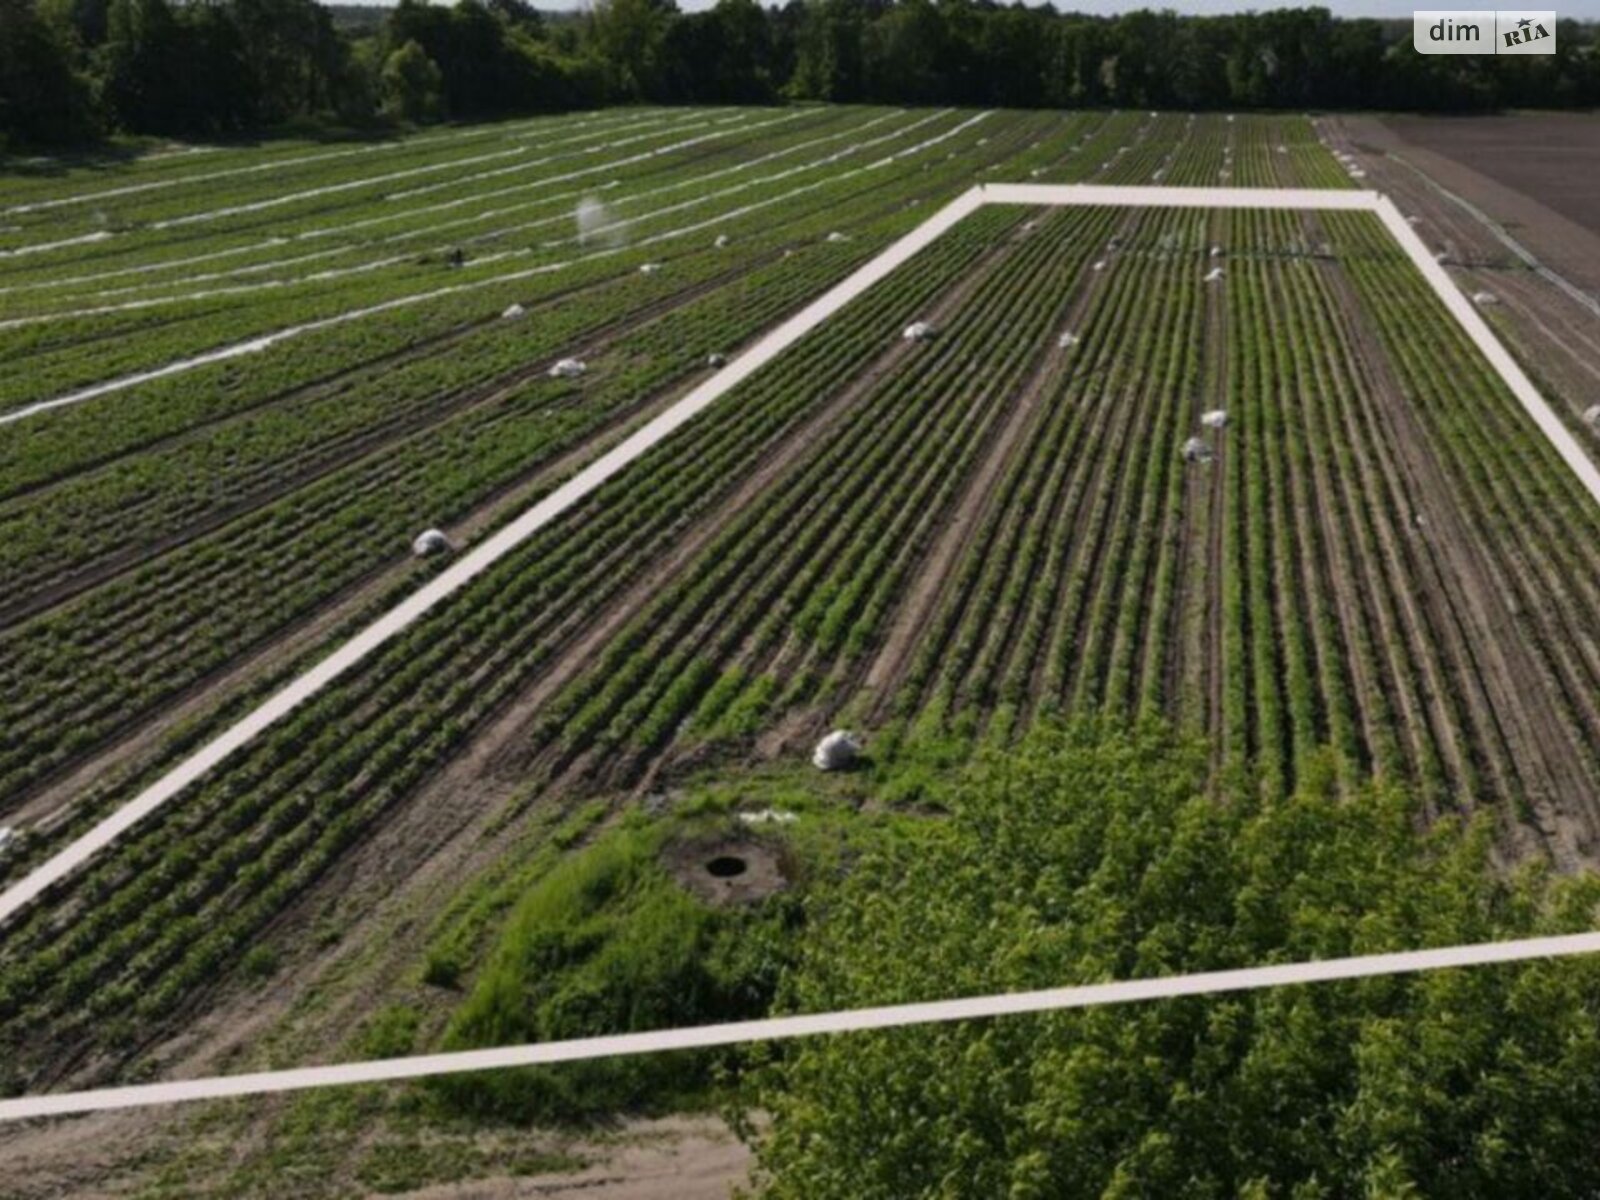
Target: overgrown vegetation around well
x,y
609,941
627,932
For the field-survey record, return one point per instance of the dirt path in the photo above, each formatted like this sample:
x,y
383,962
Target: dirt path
x,y
113,1157
1206,494
679,1158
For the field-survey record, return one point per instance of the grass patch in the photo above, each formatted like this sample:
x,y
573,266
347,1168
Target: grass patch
x,y
609,941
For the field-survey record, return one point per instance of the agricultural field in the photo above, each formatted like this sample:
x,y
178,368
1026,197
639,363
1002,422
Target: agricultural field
x,y
235,383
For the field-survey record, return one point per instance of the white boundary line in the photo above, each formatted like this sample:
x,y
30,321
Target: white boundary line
x,y
388,1070
478,560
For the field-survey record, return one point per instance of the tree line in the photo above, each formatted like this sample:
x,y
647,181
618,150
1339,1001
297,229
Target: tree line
x,y
77,70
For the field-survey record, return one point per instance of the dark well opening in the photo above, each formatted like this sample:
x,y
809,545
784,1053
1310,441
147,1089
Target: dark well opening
x,y
726,866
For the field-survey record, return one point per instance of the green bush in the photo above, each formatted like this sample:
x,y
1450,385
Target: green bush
x,y
1087,856
609,942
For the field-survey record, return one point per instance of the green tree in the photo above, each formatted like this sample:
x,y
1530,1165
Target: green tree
x,y
412,85
293,55
1092,855
829,51
43,99
141,65
628,36
906,54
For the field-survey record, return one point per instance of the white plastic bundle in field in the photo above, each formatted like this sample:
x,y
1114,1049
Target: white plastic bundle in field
x,y
919,331
649,268
568,368
1196,451
836,237
1214,275
716,360
1067,340
1216,418
1216,252
1592,415
836,752
1485,298
1099,264
513,311
430,542
721,242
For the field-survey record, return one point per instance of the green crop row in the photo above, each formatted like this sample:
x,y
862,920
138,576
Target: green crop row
x,y
810,569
